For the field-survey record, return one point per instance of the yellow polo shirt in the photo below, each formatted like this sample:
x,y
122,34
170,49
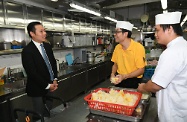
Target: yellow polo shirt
x,y
129,60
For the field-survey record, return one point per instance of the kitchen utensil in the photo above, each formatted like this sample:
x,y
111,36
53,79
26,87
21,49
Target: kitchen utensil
x,y
5,45
1,74
69,59
149,28
90,57
2,71
99,58
144,18
58,65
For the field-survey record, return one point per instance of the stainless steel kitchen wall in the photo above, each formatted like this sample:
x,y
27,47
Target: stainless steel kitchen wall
x,y
18,15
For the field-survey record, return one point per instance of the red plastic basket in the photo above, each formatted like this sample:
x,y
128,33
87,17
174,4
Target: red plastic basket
x,y
110,107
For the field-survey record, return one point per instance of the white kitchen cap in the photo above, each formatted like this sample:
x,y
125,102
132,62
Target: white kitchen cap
x,y
124,25
168,18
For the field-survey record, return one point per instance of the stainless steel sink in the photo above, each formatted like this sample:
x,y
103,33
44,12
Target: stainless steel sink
x,y
16,85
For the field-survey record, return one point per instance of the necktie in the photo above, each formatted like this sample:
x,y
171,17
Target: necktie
x,y
46,59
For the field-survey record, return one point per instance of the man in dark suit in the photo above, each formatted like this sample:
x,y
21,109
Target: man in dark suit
x,y
39,80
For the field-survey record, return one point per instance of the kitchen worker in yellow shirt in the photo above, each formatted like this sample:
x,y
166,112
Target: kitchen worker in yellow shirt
x,y
128,57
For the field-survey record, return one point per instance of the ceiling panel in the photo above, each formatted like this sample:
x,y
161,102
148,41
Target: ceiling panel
x,y
123,8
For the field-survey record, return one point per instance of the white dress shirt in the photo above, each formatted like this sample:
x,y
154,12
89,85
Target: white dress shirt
x,y
40,50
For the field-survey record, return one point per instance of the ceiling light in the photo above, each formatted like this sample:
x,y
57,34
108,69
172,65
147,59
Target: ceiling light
x,y
85,9
54,0
164,4
111,19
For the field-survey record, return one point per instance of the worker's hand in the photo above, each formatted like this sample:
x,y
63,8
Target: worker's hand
x,y
119,79
113,79
111,76
141,87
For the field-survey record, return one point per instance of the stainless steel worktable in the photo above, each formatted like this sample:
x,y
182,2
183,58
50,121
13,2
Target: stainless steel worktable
x,y
78,111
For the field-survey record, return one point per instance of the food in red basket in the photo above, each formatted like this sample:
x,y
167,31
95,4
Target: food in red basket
x,y
95,101
116,97
114,79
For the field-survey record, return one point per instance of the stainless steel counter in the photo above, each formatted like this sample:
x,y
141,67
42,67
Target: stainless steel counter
x,y
10,88
78,111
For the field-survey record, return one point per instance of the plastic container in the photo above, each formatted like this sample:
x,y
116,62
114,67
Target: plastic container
x,y
149,71
1,81
5,45
69,59
16,47
110,107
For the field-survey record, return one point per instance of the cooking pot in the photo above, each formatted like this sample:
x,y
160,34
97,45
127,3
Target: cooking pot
x,y
5,45
90,57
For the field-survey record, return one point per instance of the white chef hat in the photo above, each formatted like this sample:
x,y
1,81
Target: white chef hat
x,y
168,18
124,25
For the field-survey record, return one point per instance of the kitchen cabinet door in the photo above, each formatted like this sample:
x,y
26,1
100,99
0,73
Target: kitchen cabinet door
x,y
20,101
5,112
33,14
101,72
64,90
58,22
108,67
68,23
14,14
1,14
82,25
47,20
78,84
76,24
92,77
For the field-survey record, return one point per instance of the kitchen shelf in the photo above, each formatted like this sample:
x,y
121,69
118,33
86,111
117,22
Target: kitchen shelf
x,y
17,51
147,32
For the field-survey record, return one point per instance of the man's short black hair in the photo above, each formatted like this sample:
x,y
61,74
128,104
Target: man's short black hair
x,y
176,27
129,32
31,27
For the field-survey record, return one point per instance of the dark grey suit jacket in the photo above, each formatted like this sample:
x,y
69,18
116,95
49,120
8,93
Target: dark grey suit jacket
x,y
38,76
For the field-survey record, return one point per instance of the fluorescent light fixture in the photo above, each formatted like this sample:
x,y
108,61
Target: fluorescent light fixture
x,y
84,9
164,4
111,19
184,20
54,0
135,28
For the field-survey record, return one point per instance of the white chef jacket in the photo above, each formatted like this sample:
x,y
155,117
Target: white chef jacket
x,y
171,74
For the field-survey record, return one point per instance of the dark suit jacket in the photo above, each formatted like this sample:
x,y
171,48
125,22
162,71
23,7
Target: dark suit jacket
x,y
38,76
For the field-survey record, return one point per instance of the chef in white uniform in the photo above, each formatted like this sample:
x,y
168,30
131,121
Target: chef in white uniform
x,y
170,77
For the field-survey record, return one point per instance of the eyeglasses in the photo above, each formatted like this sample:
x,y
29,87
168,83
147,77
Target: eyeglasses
x,y
115,32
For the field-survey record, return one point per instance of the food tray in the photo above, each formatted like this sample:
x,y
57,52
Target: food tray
x,y
134,118
110,107
146,100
